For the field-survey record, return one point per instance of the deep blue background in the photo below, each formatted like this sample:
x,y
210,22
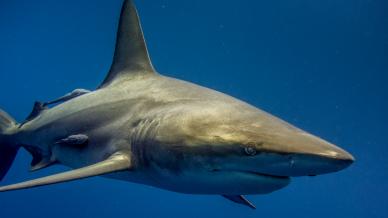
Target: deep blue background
x,y
321,65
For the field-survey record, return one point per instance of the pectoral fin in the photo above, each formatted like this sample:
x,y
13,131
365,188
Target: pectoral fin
x,y
117,162
240,199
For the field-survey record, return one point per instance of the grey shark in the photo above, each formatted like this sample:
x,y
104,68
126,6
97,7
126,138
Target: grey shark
x,y
142,127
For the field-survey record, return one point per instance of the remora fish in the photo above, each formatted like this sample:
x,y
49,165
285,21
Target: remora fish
x,y
142,127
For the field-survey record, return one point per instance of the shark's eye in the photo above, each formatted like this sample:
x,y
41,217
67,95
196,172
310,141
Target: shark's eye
x,y
250,151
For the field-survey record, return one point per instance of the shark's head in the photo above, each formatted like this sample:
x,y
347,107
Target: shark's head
x,y
238,149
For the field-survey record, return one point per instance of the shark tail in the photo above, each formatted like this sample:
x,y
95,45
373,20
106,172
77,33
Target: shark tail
x,y
8,150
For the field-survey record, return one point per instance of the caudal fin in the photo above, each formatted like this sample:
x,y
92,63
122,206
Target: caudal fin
x,y
8,150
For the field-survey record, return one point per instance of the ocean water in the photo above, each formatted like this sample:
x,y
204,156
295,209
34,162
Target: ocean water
x,y
321,65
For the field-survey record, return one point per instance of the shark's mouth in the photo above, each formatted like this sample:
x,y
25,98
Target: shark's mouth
x,y
267,175
253,173
251,182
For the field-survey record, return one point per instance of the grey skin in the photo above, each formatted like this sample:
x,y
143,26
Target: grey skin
x,y
142,127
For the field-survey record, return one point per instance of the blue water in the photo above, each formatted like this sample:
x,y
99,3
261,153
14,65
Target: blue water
x,y
321,65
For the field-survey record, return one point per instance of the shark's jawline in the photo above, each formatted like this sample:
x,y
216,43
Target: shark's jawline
x,y
255,173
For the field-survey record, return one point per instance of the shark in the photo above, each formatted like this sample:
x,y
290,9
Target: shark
x,y
142,127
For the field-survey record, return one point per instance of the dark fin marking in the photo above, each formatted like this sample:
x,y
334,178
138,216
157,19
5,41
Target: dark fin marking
x,y
240,199
43,163
8,150
39,160
38,108
7,156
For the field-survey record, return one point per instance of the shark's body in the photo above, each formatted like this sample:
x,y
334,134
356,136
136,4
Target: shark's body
x,y
143,127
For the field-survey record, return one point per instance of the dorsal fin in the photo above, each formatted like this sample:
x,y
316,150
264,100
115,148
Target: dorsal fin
x,y
38,108
131,55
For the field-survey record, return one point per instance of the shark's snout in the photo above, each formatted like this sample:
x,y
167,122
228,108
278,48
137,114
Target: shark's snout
x,y
293,165
320,158
316,165
297,153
